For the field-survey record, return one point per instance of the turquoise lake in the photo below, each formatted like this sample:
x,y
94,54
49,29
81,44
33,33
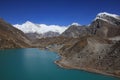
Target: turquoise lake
x,y
35,64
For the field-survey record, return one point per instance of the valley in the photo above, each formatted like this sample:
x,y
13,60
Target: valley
x,y
94,48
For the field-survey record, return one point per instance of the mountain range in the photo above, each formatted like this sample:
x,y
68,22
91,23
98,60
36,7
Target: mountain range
x,y
37,31
95,47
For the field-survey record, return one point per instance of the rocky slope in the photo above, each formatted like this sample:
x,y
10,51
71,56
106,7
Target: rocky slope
x,y
92,54
11,37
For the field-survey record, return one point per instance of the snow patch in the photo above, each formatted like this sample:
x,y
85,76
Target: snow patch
x,y
76,24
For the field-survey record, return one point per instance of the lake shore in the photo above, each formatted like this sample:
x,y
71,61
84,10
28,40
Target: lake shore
x,y
62,63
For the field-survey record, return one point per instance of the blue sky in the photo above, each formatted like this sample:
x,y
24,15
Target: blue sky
x,y
61,12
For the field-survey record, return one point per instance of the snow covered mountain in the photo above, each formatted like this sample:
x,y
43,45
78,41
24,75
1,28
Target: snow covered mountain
x,y
40,30
29,27
105,14
108,17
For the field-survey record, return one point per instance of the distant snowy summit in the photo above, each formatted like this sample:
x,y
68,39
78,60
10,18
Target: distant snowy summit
x,y
29,27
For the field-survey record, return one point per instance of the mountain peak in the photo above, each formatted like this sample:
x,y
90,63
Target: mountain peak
x,y
103,15
108,17
75,24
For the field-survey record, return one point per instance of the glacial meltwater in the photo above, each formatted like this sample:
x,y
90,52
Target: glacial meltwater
x,y
35,64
